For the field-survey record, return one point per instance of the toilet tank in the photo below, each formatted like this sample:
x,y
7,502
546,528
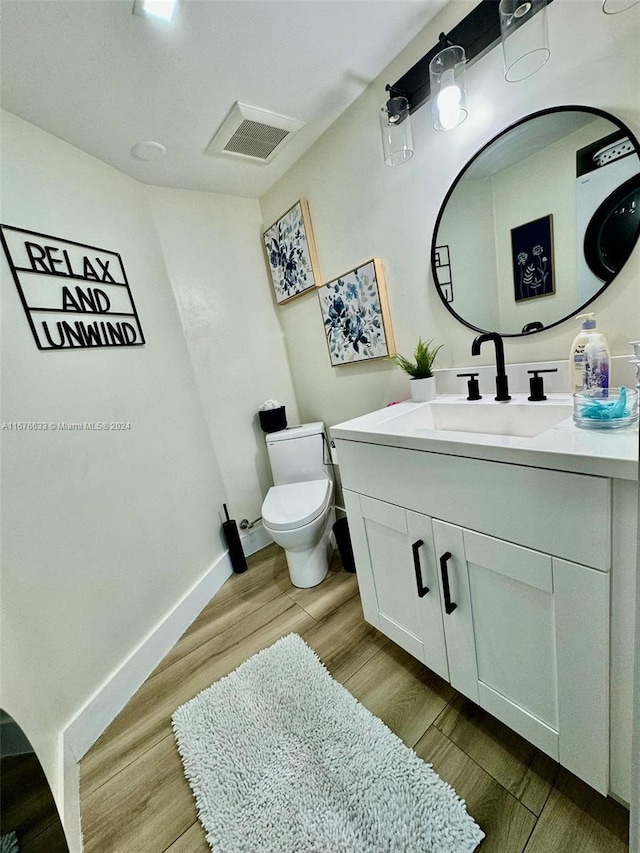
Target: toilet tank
x,y
297,454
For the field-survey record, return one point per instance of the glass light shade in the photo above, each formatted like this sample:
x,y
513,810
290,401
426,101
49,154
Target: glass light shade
x,y
525,37
395,128
448,88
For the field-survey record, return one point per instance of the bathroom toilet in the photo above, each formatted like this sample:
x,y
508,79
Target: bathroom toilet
x,y
298,510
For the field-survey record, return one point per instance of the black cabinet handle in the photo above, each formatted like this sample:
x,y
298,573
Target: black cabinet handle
x,y
422,590
449,605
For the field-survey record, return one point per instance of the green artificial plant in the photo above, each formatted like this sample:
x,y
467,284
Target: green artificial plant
x,y
424,356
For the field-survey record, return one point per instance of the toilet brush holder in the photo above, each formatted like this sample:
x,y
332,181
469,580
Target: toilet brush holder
x,y
232,537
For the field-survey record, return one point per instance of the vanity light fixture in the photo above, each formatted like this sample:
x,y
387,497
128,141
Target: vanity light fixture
x,y
475,35
162,9
395,127
525,37
447,81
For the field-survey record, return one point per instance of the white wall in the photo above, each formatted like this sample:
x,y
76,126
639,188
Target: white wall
x,y
361,208
102,532
212,246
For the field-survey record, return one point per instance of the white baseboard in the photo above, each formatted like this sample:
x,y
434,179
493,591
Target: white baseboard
x,y
84,729
69,806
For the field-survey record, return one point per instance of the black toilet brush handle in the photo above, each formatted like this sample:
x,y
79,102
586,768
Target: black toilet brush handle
x,y
232,537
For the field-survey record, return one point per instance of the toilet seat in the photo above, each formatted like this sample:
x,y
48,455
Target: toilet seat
x,y
293,505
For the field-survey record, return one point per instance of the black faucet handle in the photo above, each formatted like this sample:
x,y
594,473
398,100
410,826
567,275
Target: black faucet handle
x,y
536,384
472,385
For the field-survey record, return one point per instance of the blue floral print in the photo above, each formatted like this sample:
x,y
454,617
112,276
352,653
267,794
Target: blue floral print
x,y
288,252
352,317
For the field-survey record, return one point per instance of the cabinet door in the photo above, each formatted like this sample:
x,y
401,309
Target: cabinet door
x,y
500,636
456,607
394,556
512,600
426,573
528,641
582,635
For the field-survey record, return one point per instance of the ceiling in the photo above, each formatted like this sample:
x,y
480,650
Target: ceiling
x,y
103,79
526,139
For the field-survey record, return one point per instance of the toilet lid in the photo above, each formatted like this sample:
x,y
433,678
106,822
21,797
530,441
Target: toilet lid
x,y
295,504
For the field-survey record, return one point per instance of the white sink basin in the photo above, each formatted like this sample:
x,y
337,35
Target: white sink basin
x,y
517,417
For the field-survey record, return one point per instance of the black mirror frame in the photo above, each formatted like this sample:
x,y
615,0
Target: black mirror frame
x,y
549,110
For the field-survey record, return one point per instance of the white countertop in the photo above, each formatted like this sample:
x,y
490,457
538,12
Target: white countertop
x,y
565,447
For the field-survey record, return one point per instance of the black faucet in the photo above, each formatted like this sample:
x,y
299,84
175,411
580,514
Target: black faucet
x,y
502,382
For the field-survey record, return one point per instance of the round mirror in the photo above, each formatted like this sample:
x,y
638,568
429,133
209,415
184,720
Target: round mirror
x,y
539,222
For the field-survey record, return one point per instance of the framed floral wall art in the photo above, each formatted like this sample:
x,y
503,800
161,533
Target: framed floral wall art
x,y
355,313
532,258
291,253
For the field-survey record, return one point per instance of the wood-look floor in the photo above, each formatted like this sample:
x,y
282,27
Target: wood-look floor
x,y
27,806
134,796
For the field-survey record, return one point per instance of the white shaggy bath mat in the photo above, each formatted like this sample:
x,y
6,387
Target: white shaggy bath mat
x,y
282,759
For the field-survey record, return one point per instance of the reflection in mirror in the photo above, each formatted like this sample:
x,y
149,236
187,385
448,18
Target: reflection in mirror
x,y
539,222
29,821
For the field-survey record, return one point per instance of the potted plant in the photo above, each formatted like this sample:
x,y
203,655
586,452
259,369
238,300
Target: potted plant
x,y
423,383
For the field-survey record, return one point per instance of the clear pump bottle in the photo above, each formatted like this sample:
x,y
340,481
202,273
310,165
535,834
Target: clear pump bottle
x,y
589,358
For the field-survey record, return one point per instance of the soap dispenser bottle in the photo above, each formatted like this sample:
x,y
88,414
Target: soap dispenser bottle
x,y
589,358
576,358
596,364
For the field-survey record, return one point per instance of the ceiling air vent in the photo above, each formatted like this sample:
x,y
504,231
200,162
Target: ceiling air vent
x,y
249,133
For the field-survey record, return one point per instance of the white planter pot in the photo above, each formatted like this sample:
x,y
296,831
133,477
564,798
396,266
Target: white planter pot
x,y
423,390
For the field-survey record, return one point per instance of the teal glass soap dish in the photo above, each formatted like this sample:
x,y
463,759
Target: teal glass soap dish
x,y
605,409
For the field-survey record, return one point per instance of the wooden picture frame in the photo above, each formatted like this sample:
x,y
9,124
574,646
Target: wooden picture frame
x,y
291,254
355,315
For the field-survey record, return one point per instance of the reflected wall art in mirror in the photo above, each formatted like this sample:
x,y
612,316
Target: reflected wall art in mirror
x,y
539,222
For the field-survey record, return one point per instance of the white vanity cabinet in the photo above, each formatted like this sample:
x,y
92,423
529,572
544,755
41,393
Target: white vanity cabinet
x,y
517,565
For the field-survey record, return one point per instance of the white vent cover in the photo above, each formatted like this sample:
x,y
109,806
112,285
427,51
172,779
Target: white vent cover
x,y
249,133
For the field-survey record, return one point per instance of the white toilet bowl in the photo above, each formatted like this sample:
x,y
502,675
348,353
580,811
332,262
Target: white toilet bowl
x,y
299,517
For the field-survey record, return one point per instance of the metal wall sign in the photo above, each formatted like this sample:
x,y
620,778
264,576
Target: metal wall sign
x,y
75,296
